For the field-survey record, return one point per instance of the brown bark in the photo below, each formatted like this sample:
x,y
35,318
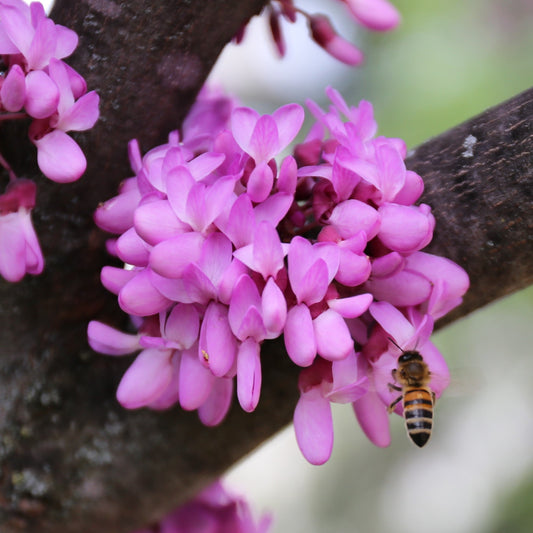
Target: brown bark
x,y
72,459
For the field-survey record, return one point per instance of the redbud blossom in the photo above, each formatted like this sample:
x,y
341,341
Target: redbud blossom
x,y
213,510
228,248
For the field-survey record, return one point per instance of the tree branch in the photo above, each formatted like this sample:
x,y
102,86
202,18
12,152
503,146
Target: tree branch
x,y
72,459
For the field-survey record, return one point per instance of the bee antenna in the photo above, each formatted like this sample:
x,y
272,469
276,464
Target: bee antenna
x,y
396,344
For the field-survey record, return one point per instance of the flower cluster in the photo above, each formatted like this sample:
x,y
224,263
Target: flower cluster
x,y
377,15
225,248
214,510
37,84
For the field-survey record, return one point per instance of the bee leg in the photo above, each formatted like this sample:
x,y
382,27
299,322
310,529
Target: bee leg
x,y
393,404
433,396
393,387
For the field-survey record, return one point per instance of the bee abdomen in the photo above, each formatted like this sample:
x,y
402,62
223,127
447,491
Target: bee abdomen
x,y
418,413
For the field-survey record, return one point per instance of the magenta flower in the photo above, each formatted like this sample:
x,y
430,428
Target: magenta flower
x,y
227,249
264,137
37,84
58,155
213,510
27,30
20,252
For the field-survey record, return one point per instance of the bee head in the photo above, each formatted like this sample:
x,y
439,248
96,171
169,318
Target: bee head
x,y
409,357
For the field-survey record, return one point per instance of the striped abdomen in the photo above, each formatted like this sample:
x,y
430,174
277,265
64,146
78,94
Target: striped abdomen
x,y
418,413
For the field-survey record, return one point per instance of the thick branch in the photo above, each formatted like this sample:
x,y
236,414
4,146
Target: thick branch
x,y
73,460
479,180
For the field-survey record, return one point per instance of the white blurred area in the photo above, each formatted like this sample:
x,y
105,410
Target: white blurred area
x,y
254,71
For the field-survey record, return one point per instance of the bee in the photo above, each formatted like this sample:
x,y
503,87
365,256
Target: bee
x,y
417,398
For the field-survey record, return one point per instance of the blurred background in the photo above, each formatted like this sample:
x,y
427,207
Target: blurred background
x,y
447,62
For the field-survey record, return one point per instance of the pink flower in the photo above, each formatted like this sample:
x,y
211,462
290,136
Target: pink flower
x,y
58,155
263,137
20,252
214,510
226,250
27,30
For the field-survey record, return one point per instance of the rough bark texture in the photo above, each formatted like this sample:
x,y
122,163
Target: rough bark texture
x,y
72,459
479,180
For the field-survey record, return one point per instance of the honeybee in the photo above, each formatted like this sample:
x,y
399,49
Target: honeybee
x,y
417,398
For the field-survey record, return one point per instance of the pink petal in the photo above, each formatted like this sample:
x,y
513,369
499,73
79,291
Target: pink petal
x,y
146,379
195,381
170,257
249,374
13,91
405,229
140,298
387,265
287,176
225,288
215,257
116,215
402,289
132,249
204,164
59,73
105,339
412,189
260,182
245,298
332,336
378,15
313,425
352,216
351,306
217,346
12,248
394,323
264,141
82,115
17,25
299,335
289,119
215,408
113,278
312,287
274,208
274,308
43,45
156,222
240,225
59,157
170,395
268,252
373,418
450,281
182,326
67,41
198,287
354,269
243,121
349,383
